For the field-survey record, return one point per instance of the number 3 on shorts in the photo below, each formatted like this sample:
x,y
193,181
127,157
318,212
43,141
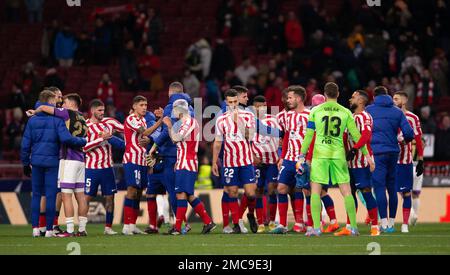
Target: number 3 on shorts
x,y
228,173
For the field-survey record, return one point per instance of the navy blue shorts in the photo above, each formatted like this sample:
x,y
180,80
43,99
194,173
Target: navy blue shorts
x,y
155,184
404,177
100,177
185,181
361,177
135,175
287,173
238,176
265,174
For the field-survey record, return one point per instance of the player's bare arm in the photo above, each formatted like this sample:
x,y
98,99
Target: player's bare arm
x,y
216,149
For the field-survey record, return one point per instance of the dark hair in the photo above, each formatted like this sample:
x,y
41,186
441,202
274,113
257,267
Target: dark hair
x,y
45,95
240,89
364,95
260,99
231,93
331,90
96,103
380,90
402,93
298,90
75,98
176,86
138,99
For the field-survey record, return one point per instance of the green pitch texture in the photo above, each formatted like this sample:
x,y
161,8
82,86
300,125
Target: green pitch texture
x,y
422,239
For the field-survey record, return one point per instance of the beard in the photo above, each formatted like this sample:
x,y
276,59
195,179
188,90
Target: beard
x,y
353,107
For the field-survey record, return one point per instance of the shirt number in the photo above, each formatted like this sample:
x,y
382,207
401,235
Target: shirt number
x,y
335,123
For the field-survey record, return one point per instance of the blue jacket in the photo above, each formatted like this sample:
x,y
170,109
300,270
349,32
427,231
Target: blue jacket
x,y
387,119
65,46
42,139
166,147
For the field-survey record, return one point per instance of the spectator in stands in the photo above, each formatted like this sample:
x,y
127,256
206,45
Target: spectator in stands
x,y
439,71
442,145
409,88
229,81
34,9
222,59
392,60
294,32
65,47
111,111
213,96
15,129
149,65
426,121
198,58
83,54
17,98
245,70
128,67
106,90
277,35
191,84
13,10
102,42
152,30
426,91
248,18
48,42
356,38
226,19
30,84
274,94
52,79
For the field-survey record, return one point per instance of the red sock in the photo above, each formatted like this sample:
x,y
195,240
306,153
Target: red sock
x,y
201,211
234,207
55,220
273,210
181,215
135,215
331,213
225,213
127,214
264,208
308,213
42,220
298,210
152,209
406,213
348,220
373,214
282,210
243,206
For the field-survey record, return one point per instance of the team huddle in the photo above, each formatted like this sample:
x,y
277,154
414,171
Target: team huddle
x,y
297,153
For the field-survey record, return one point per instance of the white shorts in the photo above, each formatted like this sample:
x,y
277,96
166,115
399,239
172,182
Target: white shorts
x,y
418,180
71,176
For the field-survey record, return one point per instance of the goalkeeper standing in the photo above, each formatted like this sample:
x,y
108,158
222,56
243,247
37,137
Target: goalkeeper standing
x,y
330,120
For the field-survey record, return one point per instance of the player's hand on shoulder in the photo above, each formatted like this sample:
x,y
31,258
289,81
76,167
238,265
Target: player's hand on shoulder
x,y
105,135
167,121
30,113
144,141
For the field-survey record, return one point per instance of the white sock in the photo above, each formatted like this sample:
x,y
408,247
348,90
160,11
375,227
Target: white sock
x,y
348,226
83,221
126,227
43,229
132,227
384,223
69,224
391,222
333,221
415,205
166,209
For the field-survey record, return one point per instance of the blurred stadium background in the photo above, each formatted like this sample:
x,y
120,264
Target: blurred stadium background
x,y
115,49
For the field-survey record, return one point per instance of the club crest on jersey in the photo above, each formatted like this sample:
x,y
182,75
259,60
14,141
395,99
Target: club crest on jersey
x,y
227,179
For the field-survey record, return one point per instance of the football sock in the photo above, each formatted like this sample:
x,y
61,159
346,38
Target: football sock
x,y
243,205
128,211
70,227
199,208
316,210
416,205
225,209
260,210
283,208
308,211
136,210
152,211
406,208
82,223
55,221
181,213
234,208
251,203
42,222
351,210
273,206
371,205
329,207
298,206
109,218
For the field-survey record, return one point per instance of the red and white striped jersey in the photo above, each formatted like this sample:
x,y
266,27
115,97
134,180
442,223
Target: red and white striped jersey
x,y
266,147
281,118
295,123
406,156
237,151
98,151
363,122
134,153
187,148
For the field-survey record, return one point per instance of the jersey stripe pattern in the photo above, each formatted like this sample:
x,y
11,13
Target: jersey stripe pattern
x,y
98,151
265,148
187,148
134,153
295,123
237,151
405,156
363,122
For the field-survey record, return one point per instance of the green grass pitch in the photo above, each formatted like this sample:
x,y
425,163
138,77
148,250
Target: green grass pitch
x,y
422,239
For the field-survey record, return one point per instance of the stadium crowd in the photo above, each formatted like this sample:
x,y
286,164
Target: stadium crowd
x,y
402,45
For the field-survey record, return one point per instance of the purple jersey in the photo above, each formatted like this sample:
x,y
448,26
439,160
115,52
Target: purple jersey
x,y
76,124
